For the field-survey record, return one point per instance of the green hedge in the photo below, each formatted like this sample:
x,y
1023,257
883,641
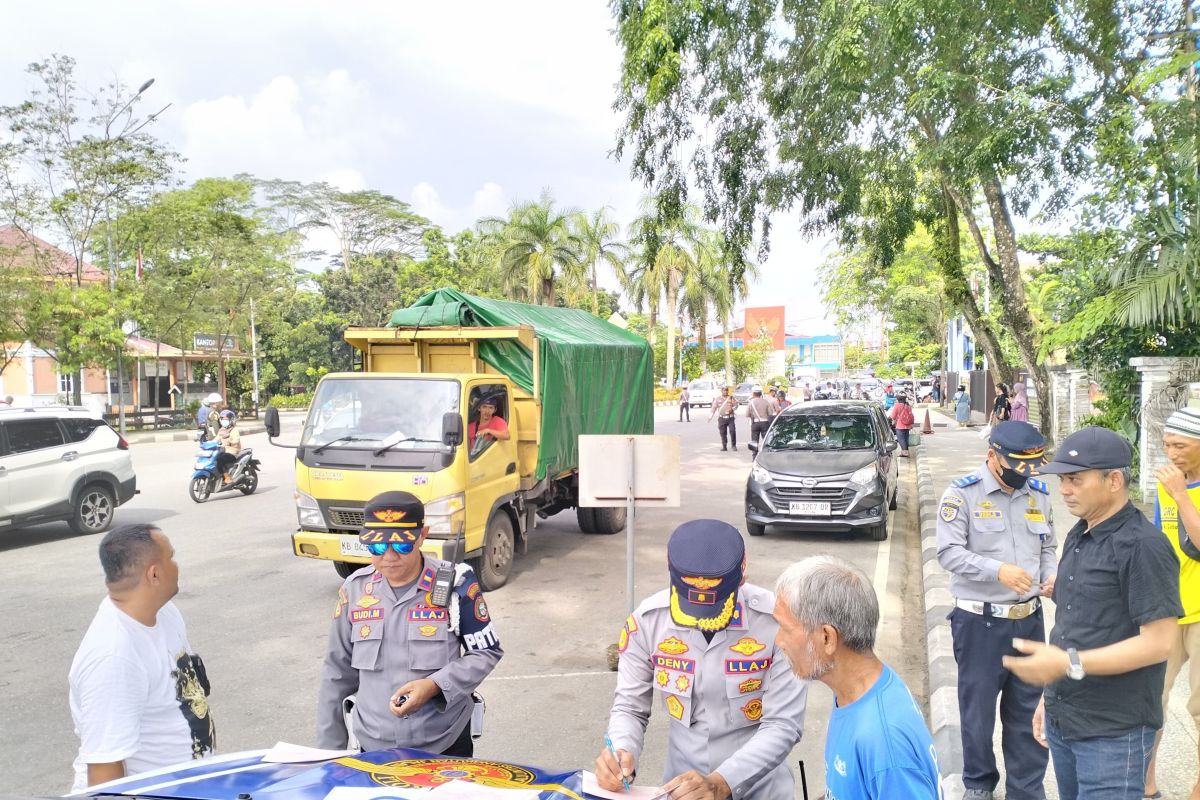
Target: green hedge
x,y
292,401
662,395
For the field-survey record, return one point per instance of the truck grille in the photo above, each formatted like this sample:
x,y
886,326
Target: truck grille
x,y
346,517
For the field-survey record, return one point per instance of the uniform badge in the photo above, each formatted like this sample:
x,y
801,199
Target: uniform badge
x,y
481,612
426,581
628,629
672,646
428,630
747,646
753,710
1032,501
367,600
370,588
701,583
682,683
735,666
987,504
948,512
1034,515
662,678
750,685
341,603
364,631
473,591
675,707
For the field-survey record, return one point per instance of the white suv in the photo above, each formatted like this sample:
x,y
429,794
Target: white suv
x,y
59,463
702,393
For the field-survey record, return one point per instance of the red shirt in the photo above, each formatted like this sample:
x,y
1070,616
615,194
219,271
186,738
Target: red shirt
x,y
902,414
493,424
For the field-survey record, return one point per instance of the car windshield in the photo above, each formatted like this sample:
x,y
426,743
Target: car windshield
x,y
364,414
821,432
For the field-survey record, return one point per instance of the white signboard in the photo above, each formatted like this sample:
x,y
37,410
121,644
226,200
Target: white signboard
x,y
604,470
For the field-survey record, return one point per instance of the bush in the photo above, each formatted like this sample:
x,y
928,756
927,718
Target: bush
x,y
291,401
663,395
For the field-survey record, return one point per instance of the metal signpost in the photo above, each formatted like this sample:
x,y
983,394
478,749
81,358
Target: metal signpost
x,y
629,471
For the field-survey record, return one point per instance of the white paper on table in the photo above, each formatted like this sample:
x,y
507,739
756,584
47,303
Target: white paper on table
x,y
284,753
466,790
591,786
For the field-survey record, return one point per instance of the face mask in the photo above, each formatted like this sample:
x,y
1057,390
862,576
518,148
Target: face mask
x,y
1013,478
226,423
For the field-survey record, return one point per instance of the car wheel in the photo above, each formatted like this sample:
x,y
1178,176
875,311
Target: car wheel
x,y
200,488
93,510
495,564
345,569
754,529
880,532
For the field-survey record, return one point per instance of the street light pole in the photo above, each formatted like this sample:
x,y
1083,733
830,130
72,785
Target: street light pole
x,y
254,355
112,264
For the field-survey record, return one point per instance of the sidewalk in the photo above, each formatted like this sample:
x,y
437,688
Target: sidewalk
x,y
138,437
950,453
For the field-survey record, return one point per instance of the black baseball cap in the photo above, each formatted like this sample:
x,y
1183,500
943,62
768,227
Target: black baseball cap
x,y
392,517
1090,448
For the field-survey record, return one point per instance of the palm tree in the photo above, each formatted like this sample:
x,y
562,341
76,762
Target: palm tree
x,y
599,236
700,288
538,251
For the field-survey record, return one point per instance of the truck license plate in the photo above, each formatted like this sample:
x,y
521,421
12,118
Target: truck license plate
x,y
351,546
809,509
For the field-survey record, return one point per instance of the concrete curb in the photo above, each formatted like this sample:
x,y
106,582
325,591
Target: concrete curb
x,y
141,437
944,721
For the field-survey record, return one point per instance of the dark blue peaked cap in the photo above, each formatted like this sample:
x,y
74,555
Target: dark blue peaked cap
x,y
705,557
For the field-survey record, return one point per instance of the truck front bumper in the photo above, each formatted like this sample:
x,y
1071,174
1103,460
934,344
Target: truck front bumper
x,y
345,547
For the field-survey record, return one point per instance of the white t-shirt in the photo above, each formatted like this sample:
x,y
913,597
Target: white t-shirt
x,y
138,694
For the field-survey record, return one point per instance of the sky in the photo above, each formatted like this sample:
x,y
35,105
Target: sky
x,y
459,108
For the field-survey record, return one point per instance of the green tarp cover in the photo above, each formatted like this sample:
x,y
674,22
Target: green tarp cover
x,y
596,377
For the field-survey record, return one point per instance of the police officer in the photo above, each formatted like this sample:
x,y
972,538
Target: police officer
x,y
995,537
761,411
411,662
725,408
707,646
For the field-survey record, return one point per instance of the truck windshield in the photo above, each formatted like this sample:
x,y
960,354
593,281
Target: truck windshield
x,y
364,414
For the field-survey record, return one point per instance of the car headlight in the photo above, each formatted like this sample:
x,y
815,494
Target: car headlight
x,y
865,476
760,475
308,512
447,516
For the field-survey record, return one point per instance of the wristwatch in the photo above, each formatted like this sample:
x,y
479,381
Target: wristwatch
x,y
1075,670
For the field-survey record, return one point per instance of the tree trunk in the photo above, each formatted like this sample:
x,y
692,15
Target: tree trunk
x,y
702,340
595,292
670,337
1012,292
728,350
547,291
948,248
652,336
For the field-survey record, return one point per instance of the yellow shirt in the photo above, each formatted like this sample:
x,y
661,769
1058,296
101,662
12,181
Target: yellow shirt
x,y
1167,515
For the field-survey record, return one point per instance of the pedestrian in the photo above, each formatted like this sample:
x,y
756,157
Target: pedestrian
x,y
761,411
782,400
685,406
1019,406
1002,407
1117,611
995,537
411,659
962,406
902,417
1177,514
937,389
207,417
877,745
889,397
138,692
725,409
230,439
707,644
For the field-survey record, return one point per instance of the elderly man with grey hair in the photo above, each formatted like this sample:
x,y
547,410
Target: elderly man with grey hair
x,y
877,744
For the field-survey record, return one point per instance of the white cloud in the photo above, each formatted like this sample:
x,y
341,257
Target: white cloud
x,y
428,203
489,201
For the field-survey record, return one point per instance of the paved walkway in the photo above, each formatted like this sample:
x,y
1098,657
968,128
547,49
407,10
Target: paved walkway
x,y
948,454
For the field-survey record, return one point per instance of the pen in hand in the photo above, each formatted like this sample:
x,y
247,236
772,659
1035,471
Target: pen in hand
x,y
613,750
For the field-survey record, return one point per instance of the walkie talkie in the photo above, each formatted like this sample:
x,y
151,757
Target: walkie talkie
x,y
443,584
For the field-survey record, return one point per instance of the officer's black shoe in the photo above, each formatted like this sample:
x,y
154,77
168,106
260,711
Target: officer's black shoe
x,y
723,449
977,794
735,447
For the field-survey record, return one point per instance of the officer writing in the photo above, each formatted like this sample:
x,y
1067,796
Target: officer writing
x,y
707,646
411,661
996,539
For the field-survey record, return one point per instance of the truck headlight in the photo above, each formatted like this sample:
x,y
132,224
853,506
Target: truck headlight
x,y
447,516
308,512
865,476
760,475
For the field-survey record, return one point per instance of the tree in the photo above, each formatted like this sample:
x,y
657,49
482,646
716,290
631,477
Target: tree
x,y
538,253
599,237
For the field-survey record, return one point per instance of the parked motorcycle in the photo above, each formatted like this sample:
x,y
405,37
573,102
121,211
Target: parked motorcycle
x,y
206,477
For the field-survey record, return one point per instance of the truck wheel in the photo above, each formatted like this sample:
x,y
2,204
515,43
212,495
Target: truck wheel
x,y
345,569
609,520
93,510
494,566
586,518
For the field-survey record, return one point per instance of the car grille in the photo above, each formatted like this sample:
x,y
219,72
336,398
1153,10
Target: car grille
x,y
346,517
838,497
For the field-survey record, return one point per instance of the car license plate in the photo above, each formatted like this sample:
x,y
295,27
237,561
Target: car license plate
x,y
351,546
809,509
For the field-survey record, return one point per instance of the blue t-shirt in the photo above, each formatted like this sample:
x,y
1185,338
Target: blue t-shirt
x,y
878,746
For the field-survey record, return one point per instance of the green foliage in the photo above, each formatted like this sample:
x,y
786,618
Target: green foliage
x,y
291,401
662,395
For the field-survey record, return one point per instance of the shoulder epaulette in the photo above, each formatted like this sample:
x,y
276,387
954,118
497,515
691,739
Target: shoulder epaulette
x,y
1039,486
968,480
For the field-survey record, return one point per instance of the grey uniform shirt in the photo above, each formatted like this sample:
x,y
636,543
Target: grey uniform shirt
x,y
760,409
734,704
981,527
381,639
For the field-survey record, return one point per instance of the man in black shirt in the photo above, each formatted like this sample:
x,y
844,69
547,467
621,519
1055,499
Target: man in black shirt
x,y
1117,606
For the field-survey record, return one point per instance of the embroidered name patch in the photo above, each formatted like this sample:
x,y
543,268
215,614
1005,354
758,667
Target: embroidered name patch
x,y
365,614
422,614
678,664
741,666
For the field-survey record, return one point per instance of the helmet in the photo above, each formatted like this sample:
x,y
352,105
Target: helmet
x,y
756,389
228,414
212,399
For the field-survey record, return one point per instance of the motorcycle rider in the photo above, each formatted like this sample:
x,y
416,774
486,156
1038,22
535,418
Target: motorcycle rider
x,y
206,417
231,443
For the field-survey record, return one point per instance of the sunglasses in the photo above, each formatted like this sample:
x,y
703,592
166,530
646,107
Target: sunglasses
x,y
379,548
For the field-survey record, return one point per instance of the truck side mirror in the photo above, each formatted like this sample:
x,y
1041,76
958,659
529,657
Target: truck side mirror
x,y
452,429
272,422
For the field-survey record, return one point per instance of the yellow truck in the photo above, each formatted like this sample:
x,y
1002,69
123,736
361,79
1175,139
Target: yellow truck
x,y
407,421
